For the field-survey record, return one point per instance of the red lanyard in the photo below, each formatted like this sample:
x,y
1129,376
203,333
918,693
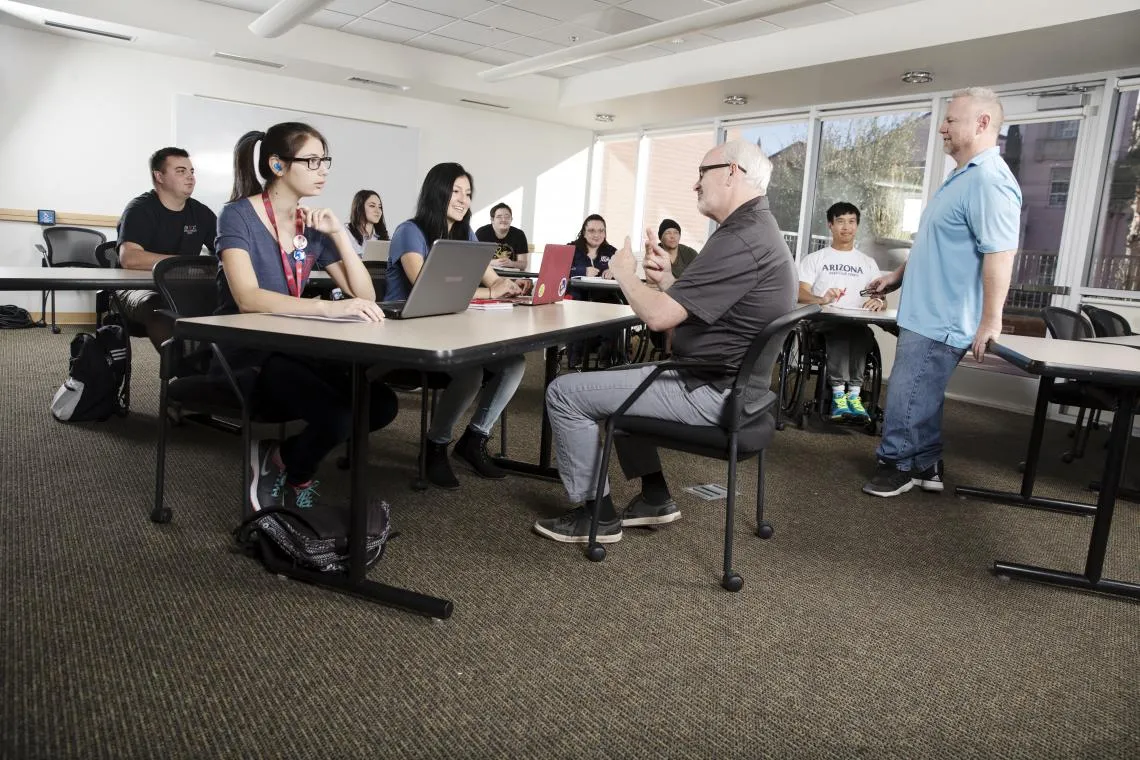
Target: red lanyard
x,y
295,275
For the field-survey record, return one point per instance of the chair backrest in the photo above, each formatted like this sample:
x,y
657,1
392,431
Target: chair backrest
x,y
73,246
1065,324
188,284
1105,323
753,381
108,254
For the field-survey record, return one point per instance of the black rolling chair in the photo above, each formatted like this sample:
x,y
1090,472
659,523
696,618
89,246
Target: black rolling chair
x,y
746,431
70,247
1105,324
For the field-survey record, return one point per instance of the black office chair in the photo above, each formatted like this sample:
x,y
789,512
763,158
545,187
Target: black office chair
x,y
70,247
1105,323
746,430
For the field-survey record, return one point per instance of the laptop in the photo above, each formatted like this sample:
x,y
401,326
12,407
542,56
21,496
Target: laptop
x,y
553,277
450,275
376,250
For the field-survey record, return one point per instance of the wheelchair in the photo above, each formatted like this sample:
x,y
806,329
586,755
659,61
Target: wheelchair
x,y
805,354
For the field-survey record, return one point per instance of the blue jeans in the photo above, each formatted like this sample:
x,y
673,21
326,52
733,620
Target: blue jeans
x,y
916,392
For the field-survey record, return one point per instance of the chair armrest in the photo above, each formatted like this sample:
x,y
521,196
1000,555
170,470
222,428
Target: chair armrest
x,y
43,255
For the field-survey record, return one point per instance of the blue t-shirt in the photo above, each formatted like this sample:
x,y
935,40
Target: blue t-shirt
x,y
976,211
407,238
240,227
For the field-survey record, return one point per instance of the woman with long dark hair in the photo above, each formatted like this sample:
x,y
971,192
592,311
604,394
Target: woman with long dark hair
x,y
366,220
268,243
443,212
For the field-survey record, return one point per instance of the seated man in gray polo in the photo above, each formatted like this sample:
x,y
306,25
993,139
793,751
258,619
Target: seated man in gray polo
x,y
743,279
158,224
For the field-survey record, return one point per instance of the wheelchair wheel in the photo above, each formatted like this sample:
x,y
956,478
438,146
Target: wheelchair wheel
x,y
873,388
791,377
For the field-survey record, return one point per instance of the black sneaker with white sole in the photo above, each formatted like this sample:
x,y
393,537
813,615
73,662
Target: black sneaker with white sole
x,y
929,479
888,480
267,481
574,528
639,513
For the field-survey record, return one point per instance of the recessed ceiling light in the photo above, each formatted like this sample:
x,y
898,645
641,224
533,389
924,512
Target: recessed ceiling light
x,y
735,100
917,77
247,59
375,83
677,41
86,30
606,117
574,38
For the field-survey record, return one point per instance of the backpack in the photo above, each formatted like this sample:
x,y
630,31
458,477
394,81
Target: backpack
x,y
99,377
13,317
315,539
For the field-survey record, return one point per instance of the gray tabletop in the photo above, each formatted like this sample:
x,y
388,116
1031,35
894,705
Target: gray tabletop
x,y
1073,359
89,278
1132,341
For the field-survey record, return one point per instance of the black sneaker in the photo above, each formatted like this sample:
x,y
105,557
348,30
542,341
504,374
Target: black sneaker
x,y
640,513
472,449
301,497
438,468
929,479
888,480
574,528
267,484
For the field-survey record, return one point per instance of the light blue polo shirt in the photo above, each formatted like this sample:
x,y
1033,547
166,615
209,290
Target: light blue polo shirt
x,y
976,211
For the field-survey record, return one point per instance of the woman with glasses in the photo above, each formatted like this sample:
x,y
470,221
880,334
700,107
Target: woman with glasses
x,y
592,254
443,212
267,244
366,220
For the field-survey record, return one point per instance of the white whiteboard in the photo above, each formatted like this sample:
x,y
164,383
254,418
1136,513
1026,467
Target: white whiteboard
x,y
366,154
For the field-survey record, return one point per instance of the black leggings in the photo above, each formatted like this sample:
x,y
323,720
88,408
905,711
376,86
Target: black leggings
x,y
321,395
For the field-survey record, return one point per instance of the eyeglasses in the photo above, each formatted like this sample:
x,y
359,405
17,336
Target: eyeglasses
x,y
313,162
702,169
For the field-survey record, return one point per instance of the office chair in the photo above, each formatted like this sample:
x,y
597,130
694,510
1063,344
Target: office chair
x,y
746,430
70,247
1105,324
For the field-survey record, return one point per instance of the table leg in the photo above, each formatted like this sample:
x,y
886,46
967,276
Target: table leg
x,y
546,443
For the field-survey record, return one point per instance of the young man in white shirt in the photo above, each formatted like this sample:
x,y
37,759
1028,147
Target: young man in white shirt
x,y
836,275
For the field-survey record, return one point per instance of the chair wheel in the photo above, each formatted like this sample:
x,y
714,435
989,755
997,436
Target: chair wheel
x,y
1067,457
596,552
732,582
56,331
342,463
1021,467
161,516
765,530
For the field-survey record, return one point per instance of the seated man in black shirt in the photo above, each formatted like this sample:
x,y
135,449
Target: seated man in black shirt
x,y
513,247
163,222
743,279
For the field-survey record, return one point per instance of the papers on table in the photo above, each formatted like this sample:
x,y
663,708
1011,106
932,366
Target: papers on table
x,y
349,318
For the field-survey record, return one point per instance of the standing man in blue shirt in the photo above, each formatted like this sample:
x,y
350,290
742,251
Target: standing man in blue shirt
x,y
955,284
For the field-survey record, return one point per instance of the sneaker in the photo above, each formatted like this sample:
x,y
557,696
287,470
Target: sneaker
x,y
574,528
839,408
641,513
929,479
855,405
302,496
472,449
267,484
888,480
438,468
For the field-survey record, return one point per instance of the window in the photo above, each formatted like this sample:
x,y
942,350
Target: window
x,y
1064,130
1059,184
614,182
877,163
672,171
1115,263
786,146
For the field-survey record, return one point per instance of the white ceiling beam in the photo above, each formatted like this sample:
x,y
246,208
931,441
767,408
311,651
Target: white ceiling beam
x,y
284,16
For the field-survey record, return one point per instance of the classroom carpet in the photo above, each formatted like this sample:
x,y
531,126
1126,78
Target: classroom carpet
x,y
866,627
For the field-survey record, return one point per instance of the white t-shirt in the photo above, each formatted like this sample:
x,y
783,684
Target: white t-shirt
x,y
846,270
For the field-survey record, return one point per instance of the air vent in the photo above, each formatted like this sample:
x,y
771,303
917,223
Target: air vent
x,y
85,30
481,103
254,61
374,83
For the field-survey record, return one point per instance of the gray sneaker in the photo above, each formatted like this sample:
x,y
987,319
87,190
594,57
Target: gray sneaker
x,y
267,484
929,479
574,528
639,513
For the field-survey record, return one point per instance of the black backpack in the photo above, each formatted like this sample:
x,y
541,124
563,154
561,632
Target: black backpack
x,y
315,539
14,318
99,377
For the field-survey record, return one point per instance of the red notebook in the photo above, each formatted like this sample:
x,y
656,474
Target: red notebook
x,y
487,304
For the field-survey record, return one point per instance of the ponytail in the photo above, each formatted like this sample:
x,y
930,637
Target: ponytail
x,y
245,168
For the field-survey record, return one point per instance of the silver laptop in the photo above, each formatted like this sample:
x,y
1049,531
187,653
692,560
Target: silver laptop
x,y
447,281
376,250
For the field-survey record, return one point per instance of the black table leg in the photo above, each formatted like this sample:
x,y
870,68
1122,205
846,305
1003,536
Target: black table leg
x,y
1026,498
546,443
1091,579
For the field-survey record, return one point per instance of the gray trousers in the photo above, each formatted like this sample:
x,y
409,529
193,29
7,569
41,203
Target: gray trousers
x,y
847,349
467,384
577,403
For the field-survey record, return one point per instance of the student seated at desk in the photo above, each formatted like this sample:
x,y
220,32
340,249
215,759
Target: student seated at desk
x,y
269,245
366,220
514,250
592,254
443,212
836,275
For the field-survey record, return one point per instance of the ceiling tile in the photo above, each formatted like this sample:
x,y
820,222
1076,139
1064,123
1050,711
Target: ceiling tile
x,y
690,42
257,6
513,20
477,34
743,30
378,31
663,10
444,45
496,56
563,10
456,8
408,17
866,6
644,53
807,16
614,21
529,46
329,19
354,7
560,35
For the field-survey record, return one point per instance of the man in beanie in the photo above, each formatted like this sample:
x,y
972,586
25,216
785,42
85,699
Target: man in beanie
x,y
680,256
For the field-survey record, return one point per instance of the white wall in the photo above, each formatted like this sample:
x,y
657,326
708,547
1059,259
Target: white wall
x,y
78,121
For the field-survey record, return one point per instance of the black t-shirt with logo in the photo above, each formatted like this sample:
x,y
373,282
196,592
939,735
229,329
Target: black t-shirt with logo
x,y
147,223
509,247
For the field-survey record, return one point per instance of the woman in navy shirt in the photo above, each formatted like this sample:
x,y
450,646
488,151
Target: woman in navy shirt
x,y
267,245
592,254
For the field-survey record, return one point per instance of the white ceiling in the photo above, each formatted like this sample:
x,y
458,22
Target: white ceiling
x,y
799,54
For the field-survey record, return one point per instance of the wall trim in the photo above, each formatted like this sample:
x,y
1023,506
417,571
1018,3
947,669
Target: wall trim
x,y
74,218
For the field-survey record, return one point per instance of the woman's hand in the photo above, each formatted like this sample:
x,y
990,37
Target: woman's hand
x,y
356,307
504,288
322,220
525,286
591,271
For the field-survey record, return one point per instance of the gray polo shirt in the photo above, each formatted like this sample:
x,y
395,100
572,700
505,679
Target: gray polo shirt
x,y
743,279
